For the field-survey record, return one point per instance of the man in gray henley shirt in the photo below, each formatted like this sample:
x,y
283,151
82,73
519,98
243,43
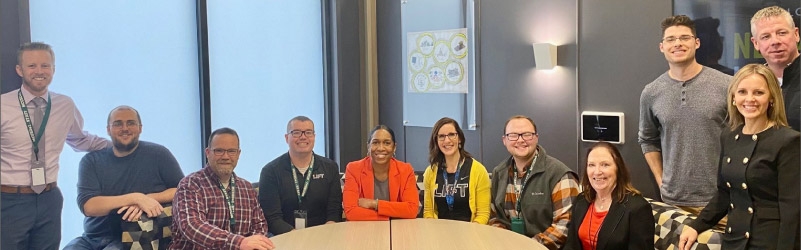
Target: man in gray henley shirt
x,y
682,114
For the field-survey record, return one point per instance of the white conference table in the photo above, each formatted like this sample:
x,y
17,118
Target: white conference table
x,y
451,234
404,234
344,235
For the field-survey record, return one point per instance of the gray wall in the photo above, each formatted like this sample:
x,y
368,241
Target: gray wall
x,y
604,67
508,83
615,64
15,28
347,87
390,101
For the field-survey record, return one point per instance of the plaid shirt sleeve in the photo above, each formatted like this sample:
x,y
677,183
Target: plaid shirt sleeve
x,y
500,216
563,193
192,220
494,220
258,220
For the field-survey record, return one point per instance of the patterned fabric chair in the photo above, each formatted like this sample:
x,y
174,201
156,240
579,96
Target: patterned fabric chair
x,y
148,233
670,221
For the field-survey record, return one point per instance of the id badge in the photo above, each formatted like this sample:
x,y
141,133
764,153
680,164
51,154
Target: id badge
x,y
518,226
300,219
38,173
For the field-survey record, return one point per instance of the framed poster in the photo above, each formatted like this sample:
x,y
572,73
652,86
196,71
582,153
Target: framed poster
x,y
438,63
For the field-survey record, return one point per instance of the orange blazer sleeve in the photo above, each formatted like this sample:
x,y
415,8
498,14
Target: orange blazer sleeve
x,y
356,188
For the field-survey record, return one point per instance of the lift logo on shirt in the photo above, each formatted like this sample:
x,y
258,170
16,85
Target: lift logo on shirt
x,y
318,176
460,190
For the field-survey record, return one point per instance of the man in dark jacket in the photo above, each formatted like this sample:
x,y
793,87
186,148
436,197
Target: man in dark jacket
x,y
300,189
775,36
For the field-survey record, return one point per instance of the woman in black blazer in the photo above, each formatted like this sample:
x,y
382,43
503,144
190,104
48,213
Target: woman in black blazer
x,y
610,213
758,177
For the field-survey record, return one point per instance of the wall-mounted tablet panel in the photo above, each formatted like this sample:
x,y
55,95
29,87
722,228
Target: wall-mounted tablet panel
x,y
602,126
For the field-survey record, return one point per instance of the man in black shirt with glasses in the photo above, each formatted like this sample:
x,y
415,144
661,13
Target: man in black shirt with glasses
x,y
300,189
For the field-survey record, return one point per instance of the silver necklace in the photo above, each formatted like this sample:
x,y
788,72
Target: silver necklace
x,y
600,203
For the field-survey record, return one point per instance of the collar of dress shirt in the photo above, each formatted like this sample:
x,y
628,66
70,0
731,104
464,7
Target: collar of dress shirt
x,y
29,96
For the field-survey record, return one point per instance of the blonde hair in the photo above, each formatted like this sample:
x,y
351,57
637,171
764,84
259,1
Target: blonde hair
x,y
771,12
775,111
32,46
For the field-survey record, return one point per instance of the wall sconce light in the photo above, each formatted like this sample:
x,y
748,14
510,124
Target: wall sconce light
x,y
544,55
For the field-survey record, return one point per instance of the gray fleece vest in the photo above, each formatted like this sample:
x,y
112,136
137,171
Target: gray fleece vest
x,y
536,204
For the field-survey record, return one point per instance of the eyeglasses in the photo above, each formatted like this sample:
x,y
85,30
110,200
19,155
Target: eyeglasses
x,y
516,136
298,133
672,39
452,136
231,152
129,123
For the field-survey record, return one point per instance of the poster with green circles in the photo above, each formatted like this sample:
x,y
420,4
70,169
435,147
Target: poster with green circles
x,y
437,61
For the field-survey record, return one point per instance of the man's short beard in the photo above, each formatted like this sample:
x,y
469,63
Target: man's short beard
x,y
219,171
31,86
125,147
223,171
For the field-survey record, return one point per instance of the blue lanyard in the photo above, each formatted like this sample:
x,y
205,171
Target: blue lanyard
x,y
229,198
450,191
35,137
306,184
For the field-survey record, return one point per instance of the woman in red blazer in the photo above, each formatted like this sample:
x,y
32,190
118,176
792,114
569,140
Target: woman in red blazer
x,y
379,187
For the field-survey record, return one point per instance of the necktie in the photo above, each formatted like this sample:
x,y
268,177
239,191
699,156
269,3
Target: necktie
x,y
38,114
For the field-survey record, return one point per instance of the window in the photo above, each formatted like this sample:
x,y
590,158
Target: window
x,y
263,72
266,70
114,53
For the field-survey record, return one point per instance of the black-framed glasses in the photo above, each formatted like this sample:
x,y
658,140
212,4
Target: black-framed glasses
x,y
672,39
220,151
299,133
516,136
129,123
452,136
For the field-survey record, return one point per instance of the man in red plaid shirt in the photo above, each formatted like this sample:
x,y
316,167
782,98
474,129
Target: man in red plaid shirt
x,y
215,209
